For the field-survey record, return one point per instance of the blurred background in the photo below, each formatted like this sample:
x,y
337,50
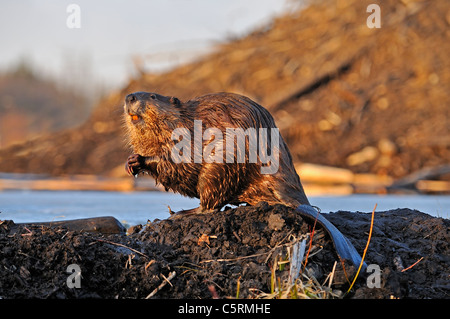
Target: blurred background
x,y
54,71
363,110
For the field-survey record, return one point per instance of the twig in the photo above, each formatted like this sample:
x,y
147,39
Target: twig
x,y
121,245
29,232
168,280
233,259
412,265
365,249
310,242
330,276
272,276
151,262
277,245
161,286
249,256
128,263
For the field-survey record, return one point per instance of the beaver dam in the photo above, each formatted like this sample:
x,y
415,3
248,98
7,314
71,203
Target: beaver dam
x,y
246,252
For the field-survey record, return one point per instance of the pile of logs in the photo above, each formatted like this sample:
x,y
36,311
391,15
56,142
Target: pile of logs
x,y
317,180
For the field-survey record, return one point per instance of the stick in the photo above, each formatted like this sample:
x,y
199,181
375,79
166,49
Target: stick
x,y
412,265
233,259
312,236
121,245
161,286
365,249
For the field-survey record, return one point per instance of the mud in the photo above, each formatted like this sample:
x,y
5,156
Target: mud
x,y
208,256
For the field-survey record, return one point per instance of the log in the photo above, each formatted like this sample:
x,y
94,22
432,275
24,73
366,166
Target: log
x,y
77,182
433,186
313,189
321,179
103,225
323,174
427,173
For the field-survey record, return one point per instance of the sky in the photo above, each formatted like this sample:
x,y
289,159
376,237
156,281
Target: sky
x,y
111,33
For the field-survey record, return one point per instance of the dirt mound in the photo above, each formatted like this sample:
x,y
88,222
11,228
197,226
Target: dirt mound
x,y
372,100
239,251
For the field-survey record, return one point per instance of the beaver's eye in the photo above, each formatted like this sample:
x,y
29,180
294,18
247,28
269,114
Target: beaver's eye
x,y
153,96
175,101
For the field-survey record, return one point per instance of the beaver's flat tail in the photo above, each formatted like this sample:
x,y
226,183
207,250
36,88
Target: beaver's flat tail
x,y
343,246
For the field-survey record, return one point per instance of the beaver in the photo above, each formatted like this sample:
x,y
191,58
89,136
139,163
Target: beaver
x,y
212,165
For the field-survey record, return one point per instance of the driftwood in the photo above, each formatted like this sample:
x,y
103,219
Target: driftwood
x,y
423,180
321,179
74,183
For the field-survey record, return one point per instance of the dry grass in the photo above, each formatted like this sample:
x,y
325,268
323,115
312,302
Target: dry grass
x,y
300,284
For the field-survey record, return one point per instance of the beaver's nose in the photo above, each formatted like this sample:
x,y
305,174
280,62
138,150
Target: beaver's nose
x,y
130,98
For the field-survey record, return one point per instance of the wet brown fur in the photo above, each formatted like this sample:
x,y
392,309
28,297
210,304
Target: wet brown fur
x,y
215,184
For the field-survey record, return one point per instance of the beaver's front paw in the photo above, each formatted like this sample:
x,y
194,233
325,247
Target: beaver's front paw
x,y
135,164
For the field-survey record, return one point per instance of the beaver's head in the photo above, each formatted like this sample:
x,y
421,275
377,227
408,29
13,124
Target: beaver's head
x,y
142,108
150,119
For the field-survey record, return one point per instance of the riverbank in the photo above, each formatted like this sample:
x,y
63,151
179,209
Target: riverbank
x,y
242,252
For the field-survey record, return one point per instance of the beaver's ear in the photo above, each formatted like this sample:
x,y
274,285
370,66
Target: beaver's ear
x,y
175,101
